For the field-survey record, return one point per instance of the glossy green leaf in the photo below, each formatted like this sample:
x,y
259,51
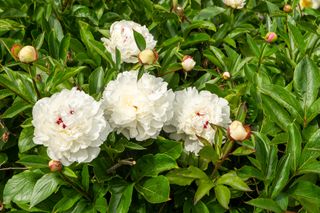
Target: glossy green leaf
x,y
265,203
169,147
282,175
185,176
25,142
96,81
44,187
231,179
223,195
155,189
140,41
294,146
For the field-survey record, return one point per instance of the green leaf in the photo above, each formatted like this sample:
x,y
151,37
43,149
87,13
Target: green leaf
x,y
96,81
284,98
33,161
297,37
16,108
223,195
155,189
140,41
311,150
276,112
310,167
204,186
208,13
169,147
101,50
282,176
19,188
186,176
294,145
231,179
133,146
306,190
45,186
253,46
243,150
121,195
208,152
85,178
265,203
67,202
64,47
25,142
101,204
306,81
151,165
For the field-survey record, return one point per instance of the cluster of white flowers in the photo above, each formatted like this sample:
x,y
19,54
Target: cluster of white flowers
x,y
73,125
122,38
193,113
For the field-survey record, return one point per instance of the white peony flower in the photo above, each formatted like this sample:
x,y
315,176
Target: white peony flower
x,y
138,108
121,37
188,63
71,124
193,113
236,4
314,4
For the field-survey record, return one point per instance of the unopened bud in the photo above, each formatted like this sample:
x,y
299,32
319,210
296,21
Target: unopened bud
x,y
55,166
28,54
15,49
188,63
271,37
226,75
287,8
238,132
148,56
5,136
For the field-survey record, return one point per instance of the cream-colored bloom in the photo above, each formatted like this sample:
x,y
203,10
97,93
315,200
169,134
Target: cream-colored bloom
x,y
193,113
188,63
138,108
121,37
314,4
236,4
71,124
147,56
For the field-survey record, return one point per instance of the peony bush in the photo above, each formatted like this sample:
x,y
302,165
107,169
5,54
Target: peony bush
x,y
159,106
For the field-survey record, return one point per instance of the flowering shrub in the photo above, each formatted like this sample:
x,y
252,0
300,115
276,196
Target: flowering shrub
x,y
159,106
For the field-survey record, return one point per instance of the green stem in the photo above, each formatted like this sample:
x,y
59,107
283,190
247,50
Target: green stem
x,y
128,161
75,186
226,152
34,83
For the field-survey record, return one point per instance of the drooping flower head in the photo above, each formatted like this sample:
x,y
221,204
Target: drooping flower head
x,y
71,124
236,4
121,37
137,108
193,113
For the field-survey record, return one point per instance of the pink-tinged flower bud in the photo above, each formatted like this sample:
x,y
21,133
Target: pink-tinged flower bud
x,y
28,54
238,132
55,166
287,8
226,75
271,37
188,63
15,49
5,136
148,56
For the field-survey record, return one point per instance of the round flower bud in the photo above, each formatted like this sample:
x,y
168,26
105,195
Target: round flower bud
x,y
147,56
226,75
287,8
55,166
271,37
28,54
188,63
15,49
238,132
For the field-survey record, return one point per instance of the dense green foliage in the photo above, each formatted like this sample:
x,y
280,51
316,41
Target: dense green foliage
x,y
274,88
